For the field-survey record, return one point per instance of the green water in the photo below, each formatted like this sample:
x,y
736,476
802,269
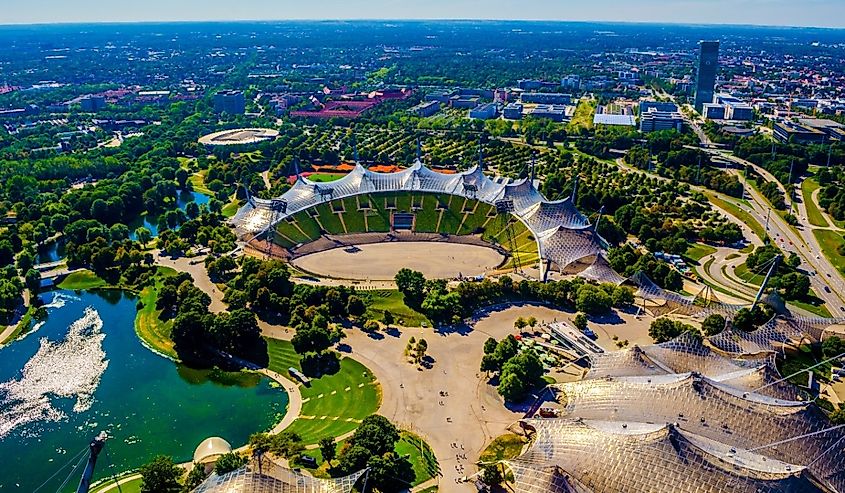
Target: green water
x,y
147,404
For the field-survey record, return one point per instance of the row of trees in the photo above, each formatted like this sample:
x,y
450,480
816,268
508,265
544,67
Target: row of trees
x,y
519,372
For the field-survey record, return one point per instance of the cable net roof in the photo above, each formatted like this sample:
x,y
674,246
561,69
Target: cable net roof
x,y
275,479
602,456
693,431
564,236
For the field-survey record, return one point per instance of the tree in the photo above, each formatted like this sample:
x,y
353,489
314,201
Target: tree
x,y
713,324
580,321
144,235
489,345
520,323
492,475
228,463
795,286
371,326
664,329
531,321
328,449
592,300
388,318
833,346
161,475
376,434
194,478
622,296
355,306
411,284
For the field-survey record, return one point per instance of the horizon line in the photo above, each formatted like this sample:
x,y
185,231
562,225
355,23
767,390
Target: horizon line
x,y
419,19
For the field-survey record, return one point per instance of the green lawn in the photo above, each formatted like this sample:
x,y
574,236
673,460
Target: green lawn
x,y
697,251
81,280
814,214
428,216
730,205
333,405
804,357
421,456
325,177
152,330
394,302
289,230
830,241
198,183
353,218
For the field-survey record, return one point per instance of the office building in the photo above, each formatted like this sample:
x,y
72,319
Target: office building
x,y
614,120
571,82
713,111
646,106
554,112
231,102
739,112
655,121
92,103
708,66
546,98
426,108
464,102
486,111
513,111
797,133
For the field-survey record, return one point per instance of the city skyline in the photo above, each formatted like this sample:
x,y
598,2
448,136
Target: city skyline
x,y
814,13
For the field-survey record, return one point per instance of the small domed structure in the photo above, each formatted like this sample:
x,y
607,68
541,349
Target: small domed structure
x,y
210,449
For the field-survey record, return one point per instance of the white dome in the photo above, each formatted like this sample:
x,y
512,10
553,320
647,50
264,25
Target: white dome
x,y
210,449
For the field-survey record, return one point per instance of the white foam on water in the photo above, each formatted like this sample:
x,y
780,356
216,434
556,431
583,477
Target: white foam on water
x,y
60,300
71,368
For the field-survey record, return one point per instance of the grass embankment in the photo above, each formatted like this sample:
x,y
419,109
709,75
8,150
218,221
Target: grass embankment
x,y
23,325
812,303
830,242
503,447
802,358
333,405
231,208
198,183
420,455
82,280
732,207
585,112
131,486
814,213
697,251
393,301
149,327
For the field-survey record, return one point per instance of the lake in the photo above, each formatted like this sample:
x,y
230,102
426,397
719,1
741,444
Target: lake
x,y
83,370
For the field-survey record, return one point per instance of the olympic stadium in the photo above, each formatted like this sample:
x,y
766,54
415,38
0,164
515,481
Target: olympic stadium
x,y
420,204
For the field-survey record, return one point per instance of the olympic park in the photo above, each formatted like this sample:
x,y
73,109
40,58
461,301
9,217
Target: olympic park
x,y
692,414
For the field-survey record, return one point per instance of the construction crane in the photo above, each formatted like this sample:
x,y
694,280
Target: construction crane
x,y
94,449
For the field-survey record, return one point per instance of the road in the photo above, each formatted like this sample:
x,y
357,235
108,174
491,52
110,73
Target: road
x,y
825,280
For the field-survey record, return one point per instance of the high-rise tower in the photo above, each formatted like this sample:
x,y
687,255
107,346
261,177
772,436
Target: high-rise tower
x,y
708,66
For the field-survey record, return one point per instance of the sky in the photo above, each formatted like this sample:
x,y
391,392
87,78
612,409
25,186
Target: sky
x,y
819,13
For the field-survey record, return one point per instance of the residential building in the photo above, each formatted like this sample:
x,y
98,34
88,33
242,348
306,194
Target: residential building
x,y
513,111
655,121
486,111
708,67
426,108
571,82
546,98
231,102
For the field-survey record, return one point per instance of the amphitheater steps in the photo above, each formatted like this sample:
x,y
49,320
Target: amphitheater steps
x,y
342,223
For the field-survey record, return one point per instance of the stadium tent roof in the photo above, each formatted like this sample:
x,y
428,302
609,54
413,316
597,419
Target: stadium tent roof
x,y
211,448
564,236
275,479
601,456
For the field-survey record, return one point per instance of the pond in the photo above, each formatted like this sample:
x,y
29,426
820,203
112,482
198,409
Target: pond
x,y
83,370
183,198
54,251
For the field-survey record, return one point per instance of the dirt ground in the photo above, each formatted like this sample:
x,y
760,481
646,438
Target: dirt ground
x,y
381,261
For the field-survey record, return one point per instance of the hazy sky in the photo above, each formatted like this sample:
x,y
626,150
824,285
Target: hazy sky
x,y
824,13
